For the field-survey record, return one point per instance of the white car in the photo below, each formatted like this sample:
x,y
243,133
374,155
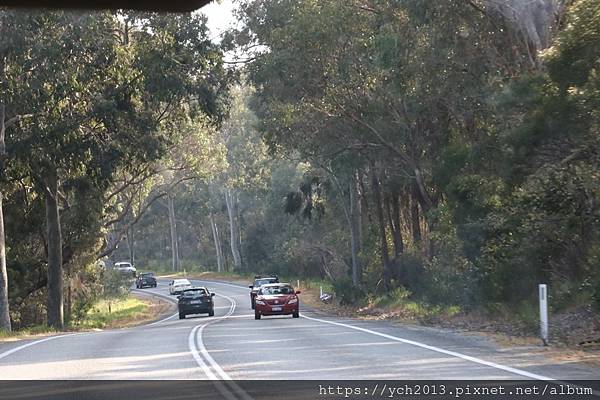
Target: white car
x,y
179,285
126,268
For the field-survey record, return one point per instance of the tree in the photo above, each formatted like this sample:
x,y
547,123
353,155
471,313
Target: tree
x,y
4,306
425,100
246,164
107,111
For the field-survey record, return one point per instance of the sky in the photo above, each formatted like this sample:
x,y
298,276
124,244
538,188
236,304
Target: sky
x,y
220,16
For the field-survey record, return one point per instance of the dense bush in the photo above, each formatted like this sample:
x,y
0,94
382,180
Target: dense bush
x,y
346,293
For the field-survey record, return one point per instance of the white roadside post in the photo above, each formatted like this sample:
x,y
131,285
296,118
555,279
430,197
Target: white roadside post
x,y
543,293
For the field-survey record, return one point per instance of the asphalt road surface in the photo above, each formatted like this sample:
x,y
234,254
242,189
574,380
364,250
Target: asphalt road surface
x,y
233,345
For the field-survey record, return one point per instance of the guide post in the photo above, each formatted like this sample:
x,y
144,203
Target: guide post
x,y
543,292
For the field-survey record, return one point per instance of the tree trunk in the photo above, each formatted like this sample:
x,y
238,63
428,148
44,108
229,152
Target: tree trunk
x,y
360,199
69,301
385,256
131,245
4,308
55,279
393,214
215,232
233,229
415,219
355,216
364,200
173,229
421,192
238,223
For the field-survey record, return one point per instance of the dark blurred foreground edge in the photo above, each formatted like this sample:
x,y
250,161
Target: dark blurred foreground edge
x,y
292,390
146,5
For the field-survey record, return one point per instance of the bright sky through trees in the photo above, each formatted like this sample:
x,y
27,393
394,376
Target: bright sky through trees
x,y
220,16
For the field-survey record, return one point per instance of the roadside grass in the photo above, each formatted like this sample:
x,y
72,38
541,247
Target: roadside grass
x,y
125,312
29,331
408,310
313,284
113,313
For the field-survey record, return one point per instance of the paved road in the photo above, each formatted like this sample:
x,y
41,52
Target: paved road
x,y
232,345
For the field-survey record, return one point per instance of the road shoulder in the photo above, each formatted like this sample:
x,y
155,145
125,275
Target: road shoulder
x,y
156,308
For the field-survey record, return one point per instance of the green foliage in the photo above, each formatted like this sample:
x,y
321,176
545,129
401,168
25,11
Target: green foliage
x,y
439,154
98,100
103,313
346,293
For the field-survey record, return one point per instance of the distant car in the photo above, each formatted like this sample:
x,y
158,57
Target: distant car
x,y
258,282
126,268
196,300
177,286
277,299
145,279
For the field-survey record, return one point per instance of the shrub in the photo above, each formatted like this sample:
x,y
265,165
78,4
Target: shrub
x,y
596,296
346,293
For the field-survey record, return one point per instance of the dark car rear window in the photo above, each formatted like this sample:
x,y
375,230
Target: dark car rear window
x,y
194,293
260,282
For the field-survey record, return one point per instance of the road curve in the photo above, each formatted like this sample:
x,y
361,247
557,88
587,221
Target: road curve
x,y
233,345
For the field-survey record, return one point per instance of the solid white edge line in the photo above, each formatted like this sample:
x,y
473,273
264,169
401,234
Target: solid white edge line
x,y
438,350
159,322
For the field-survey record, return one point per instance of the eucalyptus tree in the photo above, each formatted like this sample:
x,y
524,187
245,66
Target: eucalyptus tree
x,y
247,163
106,95
4,306
397,85
182,77
64,139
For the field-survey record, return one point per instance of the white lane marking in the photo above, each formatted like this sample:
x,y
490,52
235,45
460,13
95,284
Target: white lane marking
x,y
159,322
19,348
11,351
200,361
196,355
229,389
438,350
203,349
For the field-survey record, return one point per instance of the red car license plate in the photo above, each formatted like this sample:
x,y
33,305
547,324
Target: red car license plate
x,y
276,308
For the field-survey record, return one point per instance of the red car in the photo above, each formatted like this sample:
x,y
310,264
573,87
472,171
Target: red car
x,y
277,299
